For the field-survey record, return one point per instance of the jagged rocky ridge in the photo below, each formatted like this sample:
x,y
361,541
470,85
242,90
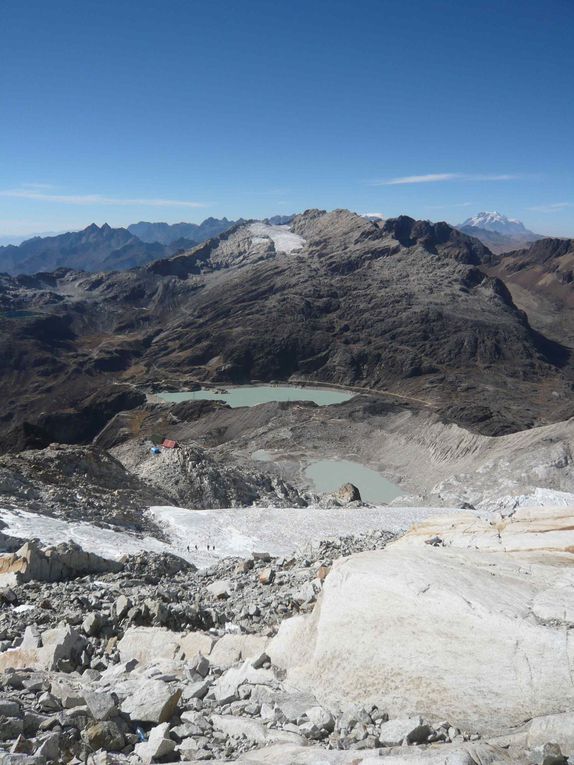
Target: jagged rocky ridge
x,y
95,248
401,306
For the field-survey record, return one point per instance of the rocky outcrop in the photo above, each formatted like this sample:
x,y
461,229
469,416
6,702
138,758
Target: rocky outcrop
x,y
460,618
541,277
347,493
191,477
51,564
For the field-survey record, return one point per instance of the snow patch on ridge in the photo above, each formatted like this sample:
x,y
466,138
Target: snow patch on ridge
x,y
284,240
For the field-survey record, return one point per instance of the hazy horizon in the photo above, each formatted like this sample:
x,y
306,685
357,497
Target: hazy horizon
x,y
434,109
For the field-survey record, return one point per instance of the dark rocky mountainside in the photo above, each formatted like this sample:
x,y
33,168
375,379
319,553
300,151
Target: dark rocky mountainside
x,y
541,280
95,248
167,233
400,306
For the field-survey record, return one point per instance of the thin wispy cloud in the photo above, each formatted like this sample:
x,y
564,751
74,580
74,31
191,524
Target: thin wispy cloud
x,y
444,177
555,207
38,186
96,199
448,206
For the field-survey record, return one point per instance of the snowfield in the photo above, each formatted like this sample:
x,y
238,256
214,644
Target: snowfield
x,y
241,531
51,531
282,237
232,532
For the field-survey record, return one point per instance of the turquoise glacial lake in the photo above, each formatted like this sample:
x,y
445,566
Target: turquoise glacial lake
x,y
330,474
250,395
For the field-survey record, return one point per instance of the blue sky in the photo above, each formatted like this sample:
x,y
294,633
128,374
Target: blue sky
x,y
118,111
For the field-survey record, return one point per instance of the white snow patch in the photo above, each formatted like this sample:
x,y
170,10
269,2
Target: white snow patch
x,y
537,498
238,532
278,531
51,531
282,237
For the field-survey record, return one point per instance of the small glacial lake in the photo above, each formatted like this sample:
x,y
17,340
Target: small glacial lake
x,y
329,475
250,395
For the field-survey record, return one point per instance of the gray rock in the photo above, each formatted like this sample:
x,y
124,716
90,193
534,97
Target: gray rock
x,y
348,493
104,735
220,589
321,717
10,727
409,729
91,624
49,746
122,606
102,706
32,637
157,746
196,690
9,708
199,664
153,701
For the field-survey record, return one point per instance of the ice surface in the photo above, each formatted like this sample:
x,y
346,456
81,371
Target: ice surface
x,y
241,531
233,532
283,238
104,542
279,531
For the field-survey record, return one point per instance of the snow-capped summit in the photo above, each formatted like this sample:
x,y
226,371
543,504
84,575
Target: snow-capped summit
x,y
495,221
499,233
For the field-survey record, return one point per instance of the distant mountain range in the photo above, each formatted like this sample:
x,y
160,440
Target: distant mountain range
x,y
499,233
103,248
167,233
95,248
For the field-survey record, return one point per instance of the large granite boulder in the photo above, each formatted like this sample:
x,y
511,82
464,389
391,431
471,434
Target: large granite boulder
x,y
51,564
473,627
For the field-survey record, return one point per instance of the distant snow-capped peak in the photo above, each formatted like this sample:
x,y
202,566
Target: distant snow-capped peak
x,y
495,221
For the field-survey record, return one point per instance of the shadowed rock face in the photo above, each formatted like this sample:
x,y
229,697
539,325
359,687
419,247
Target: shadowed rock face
x,y
541,280
400,306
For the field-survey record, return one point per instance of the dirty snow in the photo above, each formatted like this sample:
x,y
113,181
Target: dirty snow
x,y
233,532
537,498
279,531
282,237
240,531
51,531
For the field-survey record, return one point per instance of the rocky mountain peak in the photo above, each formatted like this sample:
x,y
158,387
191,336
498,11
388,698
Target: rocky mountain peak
x,y
495,221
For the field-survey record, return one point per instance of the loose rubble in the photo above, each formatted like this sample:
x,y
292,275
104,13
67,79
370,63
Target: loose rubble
x,y
160,662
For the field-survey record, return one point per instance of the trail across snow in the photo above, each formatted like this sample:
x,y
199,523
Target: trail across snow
x,y
240,531
233,532
278,531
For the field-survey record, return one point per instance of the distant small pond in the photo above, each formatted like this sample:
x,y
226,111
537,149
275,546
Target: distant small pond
x,y
329,475
250,395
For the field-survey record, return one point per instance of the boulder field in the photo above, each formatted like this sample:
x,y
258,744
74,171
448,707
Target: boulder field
x,y
450,645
